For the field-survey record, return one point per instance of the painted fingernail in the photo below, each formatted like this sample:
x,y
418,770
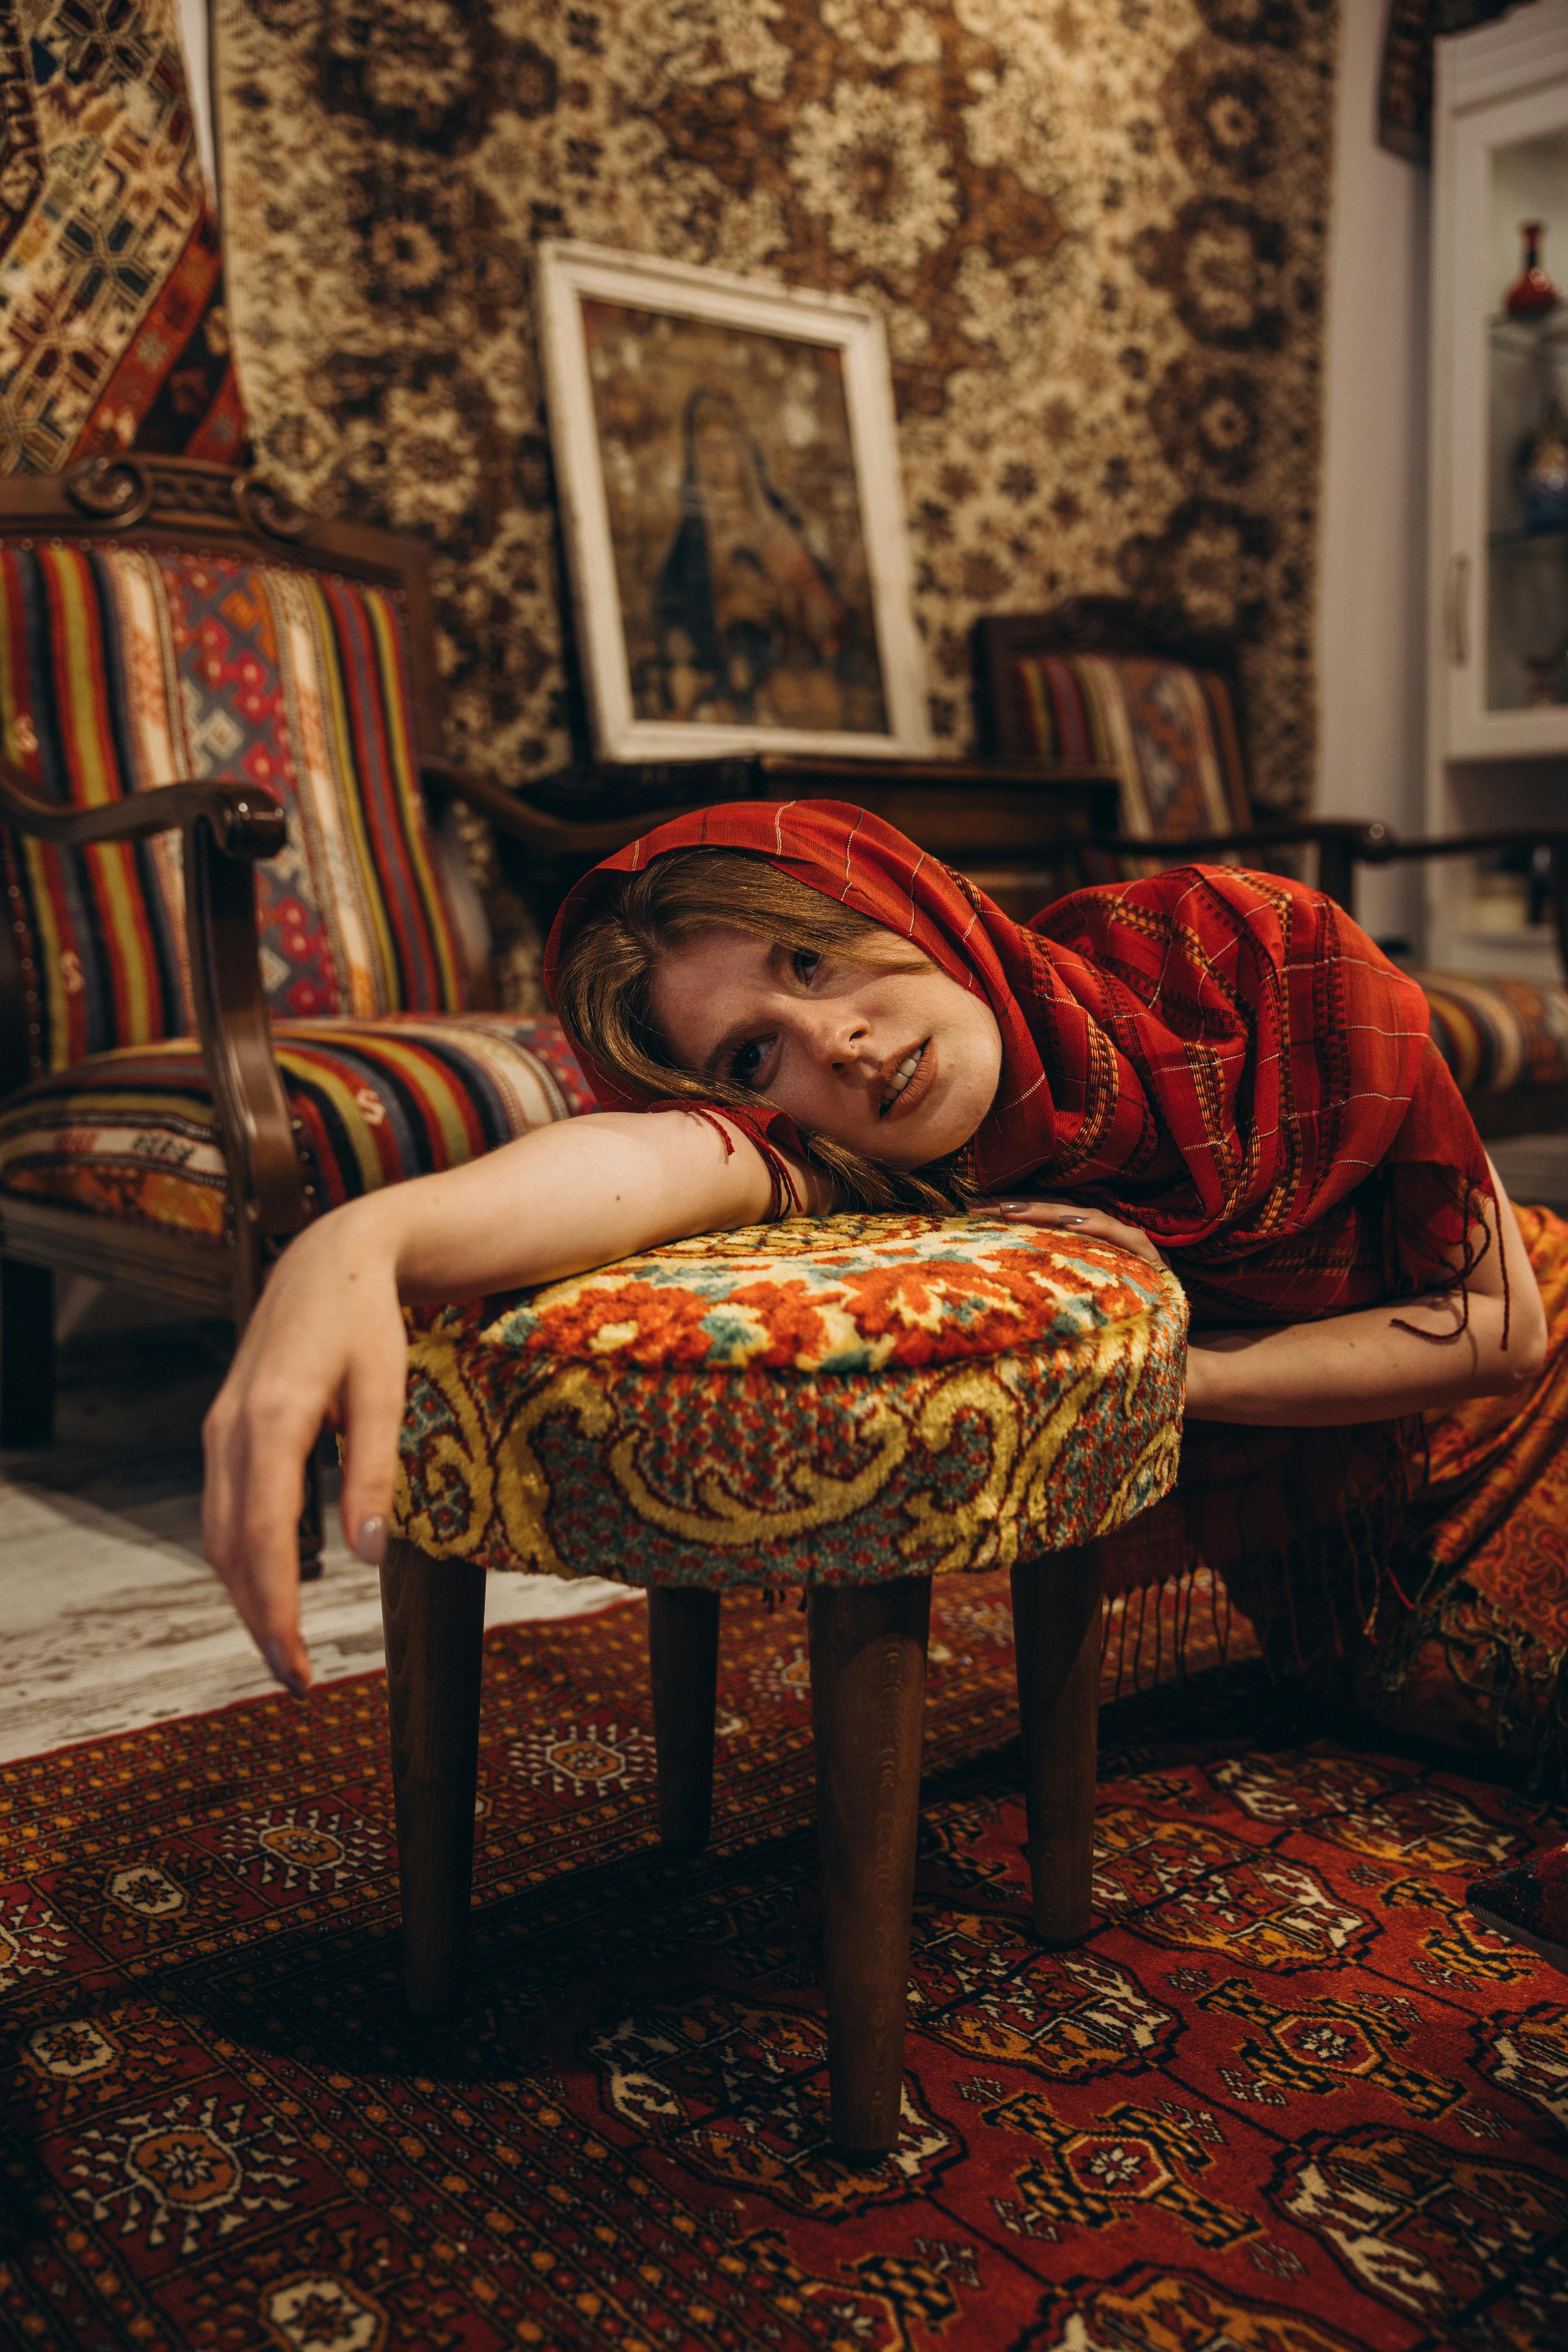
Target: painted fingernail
x,y
1069,1221
370,1544
1012,1208
281,1671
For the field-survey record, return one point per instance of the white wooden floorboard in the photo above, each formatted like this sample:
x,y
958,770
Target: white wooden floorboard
x,y
110,1618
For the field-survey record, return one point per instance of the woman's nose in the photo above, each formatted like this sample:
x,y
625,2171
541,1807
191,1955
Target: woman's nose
x,y
840,1039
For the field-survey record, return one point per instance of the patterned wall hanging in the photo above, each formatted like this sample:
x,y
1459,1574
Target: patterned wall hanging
x,y
112,325
1094,232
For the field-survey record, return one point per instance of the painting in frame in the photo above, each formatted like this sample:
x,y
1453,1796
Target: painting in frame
x,y
727,462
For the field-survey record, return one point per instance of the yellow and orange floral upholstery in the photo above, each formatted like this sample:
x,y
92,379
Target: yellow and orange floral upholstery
x,y
124,667
856,1398
1169,731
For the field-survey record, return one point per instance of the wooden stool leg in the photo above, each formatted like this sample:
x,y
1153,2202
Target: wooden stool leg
x,y
1056,1631
867,1696
26,1353
683,1668
434,1614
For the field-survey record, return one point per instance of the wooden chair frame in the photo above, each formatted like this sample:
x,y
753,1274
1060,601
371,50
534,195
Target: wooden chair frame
x,y
867,1645
226,826
1116,625
1009,812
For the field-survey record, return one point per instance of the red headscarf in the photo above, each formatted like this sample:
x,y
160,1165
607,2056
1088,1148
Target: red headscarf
x,y
1219,1057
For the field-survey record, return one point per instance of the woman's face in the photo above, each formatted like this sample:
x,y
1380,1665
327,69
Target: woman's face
x,y
900,1065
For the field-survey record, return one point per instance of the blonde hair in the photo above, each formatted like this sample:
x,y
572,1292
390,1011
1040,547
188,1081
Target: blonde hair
x,y
603,995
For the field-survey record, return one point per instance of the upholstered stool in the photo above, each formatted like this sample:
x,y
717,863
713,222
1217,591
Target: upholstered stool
x,y
843,1408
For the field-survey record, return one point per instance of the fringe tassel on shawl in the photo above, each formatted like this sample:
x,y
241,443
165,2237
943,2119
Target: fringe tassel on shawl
x,y
1474,1208
784,1200
1500,1690
1296,1529
1174,1598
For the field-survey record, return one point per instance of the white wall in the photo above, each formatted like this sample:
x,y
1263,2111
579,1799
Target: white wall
x,y
1373,548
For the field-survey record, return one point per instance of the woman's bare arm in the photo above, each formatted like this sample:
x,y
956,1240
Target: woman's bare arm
x,y
1365,1366
1371,1365
326,1342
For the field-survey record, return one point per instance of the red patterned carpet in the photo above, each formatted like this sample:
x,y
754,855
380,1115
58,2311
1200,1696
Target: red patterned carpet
x,y
1288,2098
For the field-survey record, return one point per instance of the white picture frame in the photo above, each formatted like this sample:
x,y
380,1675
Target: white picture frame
x,y
726,462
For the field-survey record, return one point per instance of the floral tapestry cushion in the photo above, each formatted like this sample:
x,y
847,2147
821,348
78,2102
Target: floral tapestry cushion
x,y
133,1134
814,1402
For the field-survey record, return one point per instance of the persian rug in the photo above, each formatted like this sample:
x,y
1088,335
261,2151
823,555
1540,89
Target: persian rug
x,y
1286,2098
113,331
1096,235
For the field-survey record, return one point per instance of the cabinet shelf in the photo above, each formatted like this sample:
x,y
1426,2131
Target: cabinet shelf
x,y
1546,326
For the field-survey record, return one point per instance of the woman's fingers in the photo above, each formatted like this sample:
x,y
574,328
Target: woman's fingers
x,y
1036,1212
1093,1222
371,1416
325,1346
256,1448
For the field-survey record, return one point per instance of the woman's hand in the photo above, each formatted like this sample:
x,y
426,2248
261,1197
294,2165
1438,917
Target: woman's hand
x,y
1092,1222
324,1348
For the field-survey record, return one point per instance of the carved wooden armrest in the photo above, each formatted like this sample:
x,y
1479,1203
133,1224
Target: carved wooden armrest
x,y
225,827
1553,838
245,822
557,836
1354,836
1470,844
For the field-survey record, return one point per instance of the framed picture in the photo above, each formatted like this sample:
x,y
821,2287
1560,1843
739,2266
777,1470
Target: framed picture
x,y
728,469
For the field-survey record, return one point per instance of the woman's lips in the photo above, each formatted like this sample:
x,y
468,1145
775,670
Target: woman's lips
x,y
919,1085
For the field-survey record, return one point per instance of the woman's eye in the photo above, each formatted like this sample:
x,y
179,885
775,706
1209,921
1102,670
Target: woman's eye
x,y
805,963
748,1062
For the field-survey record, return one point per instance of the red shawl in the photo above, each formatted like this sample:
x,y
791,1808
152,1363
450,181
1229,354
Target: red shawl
x,y
1222,1058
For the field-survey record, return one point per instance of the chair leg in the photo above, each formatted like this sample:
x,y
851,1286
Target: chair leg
x,y
1056,1632
434,1616
683,1668
26,1353
868,1647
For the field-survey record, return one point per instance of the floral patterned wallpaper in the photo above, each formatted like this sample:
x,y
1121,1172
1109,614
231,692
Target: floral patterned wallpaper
x,y
1095,229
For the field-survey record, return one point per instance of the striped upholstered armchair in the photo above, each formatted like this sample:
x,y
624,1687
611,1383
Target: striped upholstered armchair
x,y
236,984
1098,681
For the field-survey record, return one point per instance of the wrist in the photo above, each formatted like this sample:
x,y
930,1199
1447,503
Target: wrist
x,y
391,1232
362,1237
1197,1389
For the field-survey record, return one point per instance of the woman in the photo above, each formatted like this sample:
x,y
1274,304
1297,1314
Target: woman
x,y
748,623
1212,1065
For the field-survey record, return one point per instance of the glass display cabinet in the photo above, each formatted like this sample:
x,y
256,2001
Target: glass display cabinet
x,y
1498,641
1526,543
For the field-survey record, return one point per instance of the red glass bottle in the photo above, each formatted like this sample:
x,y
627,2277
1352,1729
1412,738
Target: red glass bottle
x,y
1532,291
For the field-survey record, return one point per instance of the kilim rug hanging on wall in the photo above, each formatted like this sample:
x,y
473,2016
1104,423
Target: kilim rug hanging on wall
x,y
112,327
1096,233
1287,2097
